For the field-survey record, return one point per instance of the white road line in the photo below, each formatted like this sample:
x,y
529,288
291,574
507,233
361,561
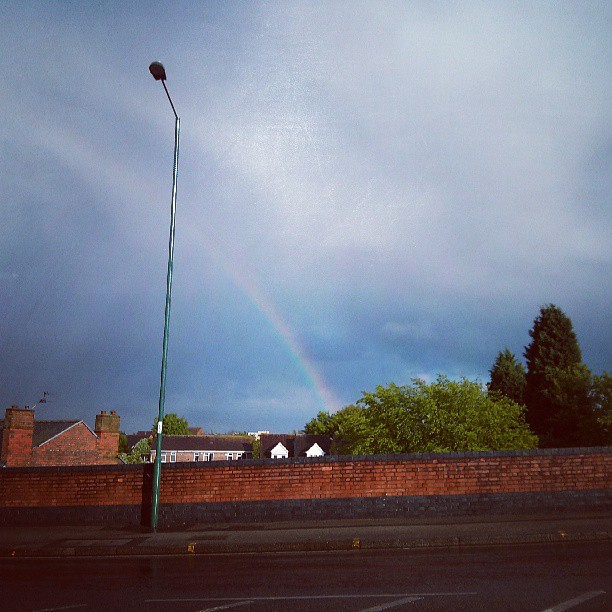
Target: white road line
x,y
301,597
393,604
232,605
62,608
571,603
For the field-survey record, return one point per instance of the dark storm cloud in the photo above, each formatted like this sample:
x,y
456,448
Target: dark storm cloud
x,y
368,192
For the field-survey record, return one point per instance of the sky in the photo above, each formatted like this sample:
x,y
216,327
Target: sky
x,y
368,192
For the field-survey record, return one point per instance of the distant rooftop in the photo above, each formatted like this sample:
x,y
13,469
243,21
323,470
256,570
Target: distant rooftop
x,y
45,430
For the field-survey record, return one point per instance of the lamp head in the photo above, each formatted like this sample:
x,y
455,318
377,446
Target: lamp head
x,y
157,70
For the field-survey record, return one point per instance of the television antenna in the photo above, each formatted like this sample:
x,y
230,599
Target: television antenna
x,y
42,400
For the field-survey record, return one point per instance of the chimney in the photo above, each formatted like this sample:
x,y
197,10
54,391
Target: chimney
x,y
107,430
17,436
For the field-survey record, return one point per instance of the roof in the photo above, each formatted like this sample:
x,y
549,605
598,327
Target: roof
x,y
133,439
269,441
296,444
304,442
206,443
46,430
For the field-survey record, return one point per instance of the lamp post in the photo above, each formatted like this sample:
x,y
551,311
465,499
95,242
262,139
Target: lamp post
x,y
159,74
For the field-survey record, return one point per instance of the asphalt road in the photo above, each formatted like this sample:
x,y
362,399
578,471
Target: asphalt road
x,y
574,576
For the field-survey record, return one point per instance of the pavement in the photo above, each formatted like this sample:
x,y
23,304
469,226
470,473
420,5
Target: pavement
x,y
302,536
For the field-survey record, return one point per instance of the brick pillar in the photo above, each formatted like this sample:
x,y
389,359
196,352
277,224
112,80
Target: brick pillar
x,y
107,430
17,436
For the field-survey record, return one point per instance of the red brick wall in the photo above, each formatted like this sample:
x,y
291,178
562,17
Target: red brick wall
x,y
70,486
388,478
458,474
75,446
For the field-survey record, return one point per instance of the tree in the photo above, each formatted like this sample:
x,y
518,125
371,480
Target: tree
x,y
553,342
123,443
507,377
442,416
558,396
256,448
174,425
573,395
142,447
324,424
346,428
601,392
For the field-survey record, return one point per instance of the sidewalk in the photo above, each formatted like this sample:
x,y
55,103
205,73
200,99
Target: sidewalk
x,y
336,535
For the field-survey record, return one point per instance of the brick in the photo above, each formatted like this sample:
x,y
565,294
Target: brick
x,y
468,478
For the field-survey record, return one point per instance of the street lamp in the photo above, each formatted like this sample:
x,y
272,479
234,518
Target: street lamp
x,y
159,74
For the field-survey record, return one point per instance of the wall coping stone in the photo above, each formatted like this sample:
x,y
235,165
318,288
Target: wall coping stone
x,y
329,459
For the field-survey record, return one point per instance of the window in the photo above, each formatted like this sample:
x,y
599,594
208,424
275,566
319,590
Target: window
x,y
163,458
239,455
196,456
208,456
229,456
173,457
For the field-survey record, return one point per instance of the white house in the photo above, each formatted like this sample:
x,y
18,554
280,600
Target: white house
x,y
283,446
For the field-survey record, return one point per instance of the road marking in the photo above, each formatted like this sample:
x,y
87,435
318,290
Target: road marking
x,y
571,603
393,604
298,597
233,605
62,608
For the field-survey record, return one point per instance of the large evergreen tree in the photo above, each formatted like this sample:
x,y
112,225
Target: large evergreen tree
x,y
574,418
507,377
560,408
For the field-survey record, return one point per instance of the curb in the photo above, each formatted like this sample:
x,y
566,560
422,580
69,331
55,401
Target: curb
x,y
343,545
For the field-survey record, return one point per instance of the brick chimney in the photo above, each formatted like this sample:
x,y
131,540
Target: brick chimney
x,y
107,430
17,436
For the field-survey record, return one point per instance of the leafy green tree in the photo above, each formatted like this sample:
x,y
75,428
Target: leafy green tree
x,y
442,416
174,425
601,392
507,377
346,428
324,424
142,447
559,394
123,443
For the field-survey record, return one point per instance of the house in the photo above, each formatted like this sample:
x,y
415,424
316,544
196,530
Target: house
x,y
283,446
257,434
203,448
27,442
133,439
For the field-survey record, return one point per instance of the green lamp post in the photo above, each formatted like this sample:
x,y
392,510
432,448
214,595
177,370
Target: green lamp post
x,y
159,74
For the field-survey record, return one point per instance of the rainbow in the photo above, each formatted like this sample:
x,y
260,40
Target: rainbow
x,y
323,396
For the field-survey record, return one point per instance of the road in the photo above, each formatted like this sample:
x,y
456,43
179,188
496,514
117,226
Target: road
x,y
570,576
